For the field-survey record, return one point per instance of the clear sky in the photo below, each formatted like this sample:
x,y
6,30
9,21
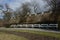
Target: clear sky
x,y
16,3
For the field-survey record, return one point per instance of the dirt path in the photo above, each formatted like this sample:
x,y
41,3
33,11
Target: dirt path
x,y
30,36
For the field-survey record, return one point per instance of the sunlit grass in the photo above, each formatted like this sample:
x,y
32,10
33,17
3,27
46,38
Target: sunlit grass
x,y
4,36
51,34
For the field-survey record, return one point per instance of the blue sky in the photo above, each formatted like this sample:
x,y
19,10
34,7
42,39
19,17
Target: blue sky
x,y
17,3
12,3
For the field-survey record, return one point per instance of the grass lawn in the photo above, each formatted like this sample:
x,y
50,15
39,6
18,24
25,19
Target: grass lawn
x,y
51,34
57,35
4,36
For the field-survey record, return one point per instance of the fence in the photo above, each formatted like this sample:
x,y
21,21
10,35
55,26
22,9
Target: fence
x,y
44,26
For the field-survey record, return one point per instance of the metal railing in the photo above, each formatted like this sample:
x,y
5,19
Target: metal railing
x,y
34,25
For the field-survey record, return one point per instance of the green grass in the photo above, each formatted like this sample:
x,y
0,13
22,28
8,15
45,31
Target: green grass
x,y
51,34
4,36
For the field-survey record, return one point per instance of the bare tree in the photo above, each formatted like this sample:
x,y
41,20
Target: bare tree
x,y
22,12
35,5
7,14
54,4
